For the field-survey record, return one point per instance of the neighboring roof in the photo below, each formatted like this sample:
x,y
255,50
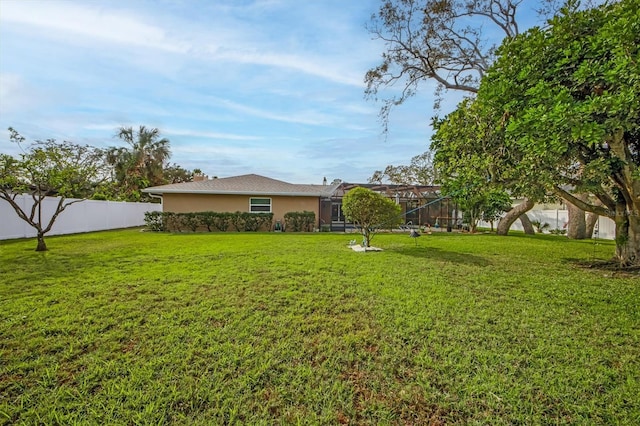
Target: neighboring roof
x,y
244,185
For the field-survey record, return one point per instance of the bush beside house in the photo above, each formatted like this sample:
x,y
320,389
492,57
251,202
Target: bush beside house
x,y
224,221
299,221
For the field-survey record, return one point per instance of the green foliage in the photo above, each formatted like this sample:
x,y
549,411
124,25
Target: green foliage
x,y
495,203
420,171
254,222
574,115
559,109
154,221
540,226
369,211
218,221
172,221
300,221
191,220
468,162
141,164
125,327
173,173
236,221
49,168
222,221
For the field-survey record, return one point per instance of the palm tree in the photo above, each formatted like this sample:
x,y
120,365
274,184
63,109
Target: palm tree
x,y
141,164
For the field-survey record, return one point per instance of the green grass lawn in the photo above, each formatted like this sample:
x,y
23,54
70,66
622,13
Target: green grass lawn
x,y
127,327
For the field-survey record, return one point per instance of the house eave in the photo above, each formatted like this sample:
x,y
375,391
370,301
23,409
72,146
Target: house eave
x,y
256,193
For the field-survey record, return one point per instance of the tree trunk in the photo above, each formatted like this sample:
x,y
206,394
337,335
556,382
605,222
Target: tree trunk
x,y
592,219
366,237
41,244
628,239
512,215
577,226
473,225
527,225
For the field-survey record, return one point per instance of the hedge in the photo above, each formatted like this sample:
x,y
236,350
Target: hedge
x,y
210,221
299,221
222,222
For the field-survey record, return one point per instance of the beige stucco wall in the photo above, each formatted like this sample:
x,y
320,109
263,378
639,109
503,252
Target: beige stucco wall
x,y
185,203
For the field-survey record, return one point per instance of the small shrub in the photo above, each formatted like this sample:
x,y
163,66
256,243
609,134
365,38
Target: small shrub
x,y
540,226
251,222
237,221
222,221
208,220
191,220
154,221
300,221
172,222
256,221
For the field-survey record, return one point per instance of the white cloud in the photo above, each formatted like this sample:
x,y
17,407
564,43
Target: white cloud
x,y
81,21
303,117
15,95
224,41
308,65
211,135
260,86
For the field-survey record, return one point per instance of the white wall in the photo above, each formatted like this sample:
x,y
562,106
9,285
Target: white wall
x,y
557,219
84,216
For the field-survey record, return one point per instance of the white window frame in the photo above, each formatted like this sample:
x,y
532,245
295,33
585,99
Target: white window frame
x,y
260,198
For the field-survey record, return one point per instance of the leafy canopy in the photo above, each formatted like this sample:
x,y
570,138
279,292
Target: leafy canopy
x,y
418,172
65,170
560,109
141,164
369,211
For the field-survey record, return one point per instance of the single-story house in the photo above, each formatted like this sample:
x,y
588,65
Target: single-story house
x,y
421,204
246,193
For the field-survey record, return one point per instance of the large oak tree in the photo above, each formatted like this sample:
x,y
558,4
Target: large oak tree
x,y
562,106
469,160
451,43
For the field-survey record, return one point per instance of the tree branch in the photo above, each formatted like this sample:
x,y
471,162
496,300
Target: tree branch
x,y
583,205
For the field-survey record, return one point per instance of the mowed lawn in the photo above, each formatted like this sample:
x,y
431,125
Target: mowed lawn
x,y
131,327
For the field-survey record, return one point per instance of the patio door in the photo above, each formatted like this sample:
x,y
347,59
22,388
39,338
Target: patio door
x,y
337,217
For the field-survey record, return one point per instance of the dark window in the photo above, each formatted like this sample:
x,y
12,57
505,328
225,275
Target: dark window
x,y
260,205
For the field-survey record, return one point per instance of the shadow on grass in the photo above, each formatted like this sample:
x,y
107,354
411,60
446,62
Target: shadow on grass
x,y
433,253
610,266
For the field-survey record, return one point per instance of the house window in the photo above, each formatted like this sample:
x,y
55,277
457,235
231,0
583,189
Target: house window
x,y
260,205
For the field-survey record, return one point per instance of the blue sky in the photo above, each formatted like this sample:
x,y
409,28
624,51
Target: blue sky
x,y
272,87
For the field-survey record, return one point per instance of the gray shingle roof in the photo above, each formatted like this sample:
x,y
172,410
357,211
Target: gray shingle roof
x,y
245,185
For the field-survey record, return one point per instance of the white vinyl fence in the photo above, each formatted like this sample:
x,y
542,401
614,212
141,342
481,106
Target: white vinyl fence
x,y
85,216
557,219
